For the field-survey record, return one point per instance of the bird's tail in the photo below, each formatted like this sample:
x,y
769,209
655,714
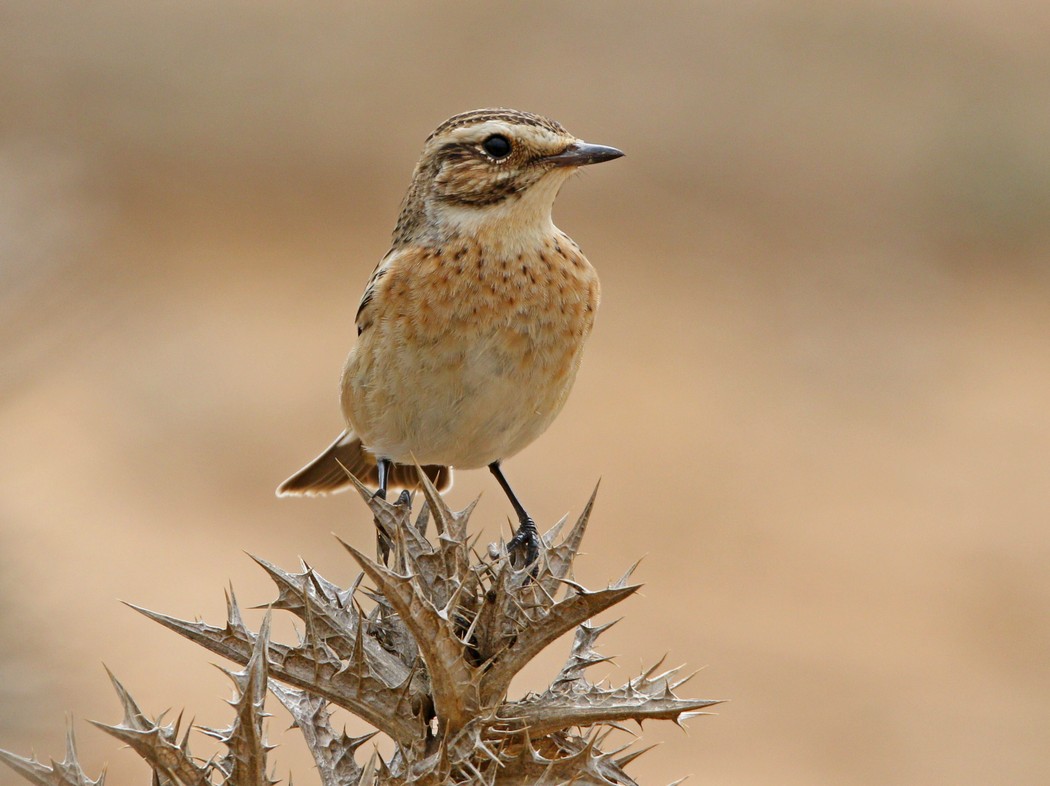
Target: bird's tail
x,y
326,473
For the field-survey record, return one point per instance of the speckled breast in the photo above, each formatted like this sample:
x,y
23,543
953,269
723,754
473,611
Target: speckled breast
x,y
470,356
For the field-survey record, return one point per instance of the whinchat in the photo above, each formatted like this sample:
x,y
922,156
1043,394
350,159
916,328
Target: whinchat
x,y
471,328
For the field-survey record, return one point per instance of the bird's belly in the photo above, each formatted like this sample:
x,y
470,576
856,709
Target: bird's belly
x,y
464,400
467,356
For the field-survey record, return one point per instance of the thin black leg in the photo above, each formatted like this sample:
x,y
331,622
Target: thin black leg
x,y
383,544
526,537
383,466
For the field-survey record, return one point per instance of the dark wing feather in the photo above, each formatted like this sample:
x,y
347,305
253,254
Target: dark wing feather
x,y
327,474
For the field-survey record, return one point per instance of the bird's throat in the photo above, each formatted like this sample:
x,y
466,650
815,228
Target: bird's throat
x,y
510,227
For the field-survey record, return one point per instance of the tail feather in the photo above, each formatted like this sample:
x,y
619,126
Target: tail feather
x,y
326,473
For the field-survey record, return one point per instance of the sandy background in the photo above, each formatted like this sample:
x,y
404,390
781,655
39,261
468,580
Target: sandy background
x,y
817,393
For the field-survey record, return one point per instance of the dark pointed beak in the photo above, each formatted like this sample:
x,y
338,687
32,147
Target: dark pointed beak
x,y
581,154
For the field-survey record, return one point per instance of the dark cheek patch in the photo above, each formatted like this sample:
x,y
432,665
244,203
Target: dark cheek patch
x,y
491,195
473,184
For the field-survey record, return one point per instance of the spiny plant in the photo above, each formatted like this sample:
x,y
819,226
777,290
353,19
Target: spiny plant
x,y
423,646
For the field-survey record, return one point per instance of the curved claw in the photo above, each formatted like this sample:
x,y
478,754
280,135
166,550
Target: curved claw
x,y
528,538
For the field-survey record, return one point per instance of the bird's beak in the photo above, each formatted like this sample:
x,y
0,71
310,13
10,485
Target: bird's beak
x,y
581,154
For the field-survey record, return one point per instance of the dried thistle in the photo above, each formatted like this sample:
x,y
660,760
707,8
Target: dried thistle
x,y
426,655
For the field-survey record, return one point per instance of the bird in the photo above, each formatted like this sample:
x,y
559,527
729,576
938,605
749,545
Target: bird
x,y
471,328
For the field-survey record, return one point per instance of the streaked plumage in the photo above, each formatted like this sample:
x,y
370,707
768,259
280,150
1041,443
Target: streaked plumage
x,y
471,328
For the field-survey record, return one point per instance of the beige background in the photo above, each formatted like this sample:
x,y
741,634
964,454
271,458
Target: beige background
x,y
816,395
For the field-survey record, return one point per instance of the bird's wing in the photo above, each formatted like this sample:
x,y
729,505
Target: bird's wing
x,y
363,318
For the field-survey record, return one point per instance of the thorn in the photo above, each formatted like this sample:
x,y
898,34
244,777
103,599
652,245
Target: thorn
x,y
185,744
549,536
644,677
71,742
622,581
623,761
233,612
684,680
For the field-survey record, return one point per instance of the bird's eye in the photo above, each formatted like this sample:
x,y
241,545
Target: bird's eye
x,y
497,146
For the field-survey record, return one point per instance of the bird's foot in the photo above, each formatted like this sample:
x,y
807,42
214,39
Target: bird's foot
x,y
404,500
526,540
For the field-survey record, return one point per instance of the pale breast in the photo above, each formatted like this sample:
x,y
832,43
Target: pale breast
x,y
466,358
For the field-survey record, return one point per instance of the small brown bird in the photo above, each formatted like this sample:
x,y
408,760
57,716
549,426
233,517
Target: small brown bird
x,y
471,328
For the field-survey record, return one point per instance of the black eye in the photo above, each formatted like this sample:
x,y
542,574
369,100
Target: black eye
x,y
497,146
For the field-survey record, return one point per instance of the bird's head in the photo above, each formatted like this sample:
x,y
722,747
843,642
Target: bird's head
x,y
491,171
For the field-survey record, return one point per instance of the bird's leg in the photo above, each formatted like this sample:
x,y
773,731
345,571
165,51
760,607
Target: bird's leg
x,y
383,544
383,470
526,536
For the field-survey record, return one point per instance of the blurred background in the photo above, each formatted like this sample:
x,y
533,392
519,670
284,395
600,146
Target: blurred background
x,y
817,394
